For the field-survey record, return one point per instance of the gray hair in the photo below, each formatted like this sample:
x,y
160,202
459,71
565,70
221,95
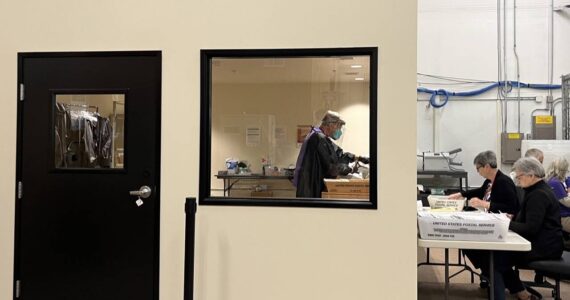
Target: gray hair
x,y
536,153
558,169
529,166
332,117
486,158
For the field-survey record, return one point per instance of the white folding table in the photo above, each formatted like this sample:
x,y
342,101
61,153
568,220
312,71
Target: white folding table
x,y
513,242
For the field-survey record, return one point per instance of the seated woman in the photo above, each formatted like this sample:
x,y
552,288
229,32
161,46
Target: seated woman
x,y
538,221
556,177
498,192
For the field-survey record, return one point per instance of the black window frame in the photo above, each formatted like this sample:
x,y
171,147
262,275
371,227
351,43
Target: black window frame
x,y
206,56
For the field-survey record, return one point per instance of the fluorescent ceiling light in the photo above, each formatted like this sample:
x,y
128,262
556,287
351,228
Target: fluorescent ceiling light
x,y
356,66
359,78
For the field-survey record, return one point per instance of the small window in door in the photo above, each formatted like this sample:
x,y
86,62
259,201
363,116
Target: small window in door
x,y
89,131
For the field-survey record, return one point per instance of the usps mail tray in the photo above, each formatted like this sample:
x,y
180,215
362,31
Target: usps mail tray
x,y
463,226
437,202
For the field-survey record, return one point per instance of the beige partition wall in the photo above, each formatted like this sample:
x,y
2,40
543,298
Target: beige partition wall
x,y
243,253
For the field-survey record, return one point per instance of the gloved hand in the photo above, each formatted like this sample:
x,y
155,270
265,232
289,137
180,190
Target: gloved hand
x,y
364,159
354,168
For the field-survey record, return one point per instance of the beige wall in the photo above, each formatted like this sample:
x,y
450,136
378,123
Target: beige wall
x,y
243,252
263,102
284,106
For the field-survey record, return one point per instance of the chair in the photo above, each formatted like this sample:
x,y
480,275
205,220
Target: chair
x,y
555,269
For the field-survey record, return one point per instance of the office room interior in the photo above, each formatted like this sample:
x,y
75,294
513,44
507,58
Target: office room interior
x,y
464,48
256,239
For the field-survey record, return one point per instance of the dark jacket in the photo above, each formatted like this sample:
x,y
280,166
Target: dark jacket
x,y
503,194
322,159
539,222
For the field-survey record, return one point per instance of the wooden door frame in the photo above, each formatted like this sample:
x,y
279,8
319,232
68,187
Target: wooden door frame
x,y
19,144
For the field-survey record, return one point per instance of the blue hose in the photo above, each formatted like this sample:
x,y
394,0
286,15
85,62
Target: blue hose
x,y
509,84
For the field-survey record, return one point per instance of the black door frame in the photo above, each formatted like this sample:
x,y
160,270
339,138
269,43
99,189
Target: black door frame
x,y
20,118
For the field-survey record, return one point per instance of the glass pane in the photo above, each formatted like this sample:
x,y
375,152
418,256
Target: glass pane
x,y
262,110
89,131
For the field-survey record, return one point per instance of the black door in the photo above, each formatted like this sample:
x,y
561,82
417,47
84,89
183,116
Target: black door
x,y
88,134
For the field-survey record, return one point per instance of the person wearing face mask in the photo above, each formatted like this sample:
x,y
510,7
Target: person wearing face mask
x,y
321,158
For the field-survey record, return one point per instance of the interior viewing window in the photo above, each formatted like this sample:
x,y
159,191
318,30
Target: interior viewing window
x,y
89,131
289,127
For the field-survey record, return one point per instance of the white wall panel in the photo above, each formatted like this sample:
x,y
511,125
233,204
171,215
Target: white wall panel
x,y
459,39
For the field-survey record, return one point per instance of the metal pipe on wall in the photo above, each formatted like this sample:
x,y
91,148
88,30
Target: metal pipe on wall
x,y
551,48
517,64
471,99
499,70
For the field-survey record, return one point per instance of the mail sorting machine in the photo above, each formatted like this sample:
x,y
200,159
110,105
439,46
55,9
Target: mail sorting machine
x,y
436,166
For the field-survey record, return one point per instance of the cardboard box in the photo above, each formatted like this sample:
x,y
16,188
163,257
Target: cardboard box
x,y
463,226
262,193
345,196
436,202
350,186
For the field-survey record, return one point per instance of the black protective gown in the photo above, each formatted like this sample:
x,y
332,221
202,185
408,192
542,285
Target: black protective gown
x,y
322,159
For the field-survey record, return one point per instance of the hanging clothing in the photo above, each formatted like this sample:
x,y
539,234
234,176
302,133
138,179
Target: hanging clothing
x,y
61,127
83,138
89,141
104,142
59,151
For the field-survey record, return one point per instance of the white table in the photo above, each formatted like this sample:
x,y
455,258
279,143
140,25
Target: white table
x,y
513,242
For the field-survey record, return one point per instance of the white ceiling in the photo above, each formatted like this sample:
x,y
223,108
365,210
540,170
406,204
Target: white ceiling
x,y
297,69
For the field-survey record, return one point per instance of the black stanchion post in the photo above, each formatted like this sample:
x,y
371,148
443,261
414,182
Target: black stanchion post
x,y
190,208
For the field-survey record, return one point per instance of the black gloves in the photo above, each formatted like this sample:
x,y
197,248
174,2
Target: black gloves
x,y
364,160
354,169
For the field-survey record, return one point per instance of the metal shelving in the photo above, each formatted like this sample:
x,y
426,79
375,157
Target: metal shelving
x,y
566,107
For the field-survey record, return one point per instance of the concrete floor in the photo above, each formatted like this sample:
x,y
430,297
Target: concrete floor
x,y
431,280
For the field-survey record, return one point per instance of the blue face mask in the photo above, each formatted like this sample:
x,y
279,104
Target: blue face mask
x,y
336,135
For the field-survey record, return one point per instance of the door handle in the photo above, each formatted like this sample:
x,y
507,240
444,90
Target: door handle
x,y
144,192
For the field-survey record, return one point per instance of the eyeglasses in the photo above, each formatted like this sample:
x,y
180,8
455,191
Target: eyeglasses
x,y
478,167
520,175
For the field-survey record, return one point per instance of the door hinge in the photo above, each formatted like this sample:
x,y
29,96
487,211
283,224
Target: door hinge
x,y
20,190
18,289
21,92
